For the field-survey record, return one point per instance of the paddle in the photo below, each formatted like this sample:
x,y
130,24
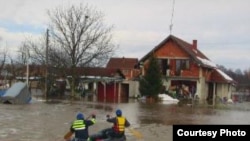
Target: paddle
x,y
68,135
136,133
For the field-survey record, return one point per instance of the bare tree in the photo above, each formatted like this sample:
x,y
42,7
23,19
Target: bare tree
x,y
3,59
3,55
81,36
32,49
14,69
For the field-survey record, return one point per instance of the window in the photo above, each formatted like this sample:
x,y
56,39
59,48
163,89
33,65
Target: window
x,y
125,72
163,63
182,64
185,64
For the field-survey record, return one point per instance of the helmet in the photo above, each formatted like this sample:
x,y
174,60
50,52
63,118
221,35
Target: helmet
x,y
79,116
118,112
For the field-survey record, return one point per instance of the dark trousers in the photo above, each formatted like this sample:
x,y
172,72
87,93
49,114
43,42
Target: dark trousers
x,y
76,139
107,134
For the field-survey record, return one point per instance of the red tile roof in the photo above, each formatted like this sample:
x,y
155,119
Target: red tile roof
x,y
220,77
196,54
102,72
122,63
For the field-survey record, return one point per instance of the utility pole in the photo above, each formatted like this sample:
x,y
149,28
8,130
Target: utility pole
x,y
27,67
46,64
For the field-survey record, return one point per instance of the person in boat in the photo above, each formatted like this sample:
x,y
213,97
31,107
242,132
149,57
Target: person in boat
x,y
116,131
80,127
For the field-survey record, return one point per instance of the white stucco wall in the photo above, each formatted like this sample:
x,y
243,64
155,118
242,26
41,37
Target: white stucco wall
x,y
202,90
133,87
224,90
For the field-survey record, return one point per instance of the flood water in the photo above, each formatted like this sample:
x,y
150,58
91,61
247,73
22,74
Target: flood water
x,y
49,121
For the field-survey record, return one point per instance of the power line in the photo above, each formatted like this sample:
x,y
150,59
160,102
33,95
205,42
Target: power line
x,y
225,43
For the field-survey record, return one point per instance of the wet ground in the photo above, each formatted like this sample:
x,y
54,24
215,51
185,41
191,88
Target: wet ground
x,y
49,121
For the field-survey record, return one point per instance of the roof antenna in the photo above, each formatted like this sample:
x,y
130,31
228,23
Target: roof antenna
x,y
172,16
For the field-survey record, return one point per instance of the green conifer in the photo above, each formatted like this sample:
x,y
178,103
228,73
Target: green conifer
x,y
151,82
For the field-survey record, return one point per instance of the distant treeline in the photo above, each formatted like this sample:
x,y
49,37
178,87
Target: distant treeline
x,y
241,77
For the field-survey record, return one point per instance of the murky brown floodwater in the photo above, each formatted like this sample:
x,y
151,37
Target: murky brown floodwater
x,y
40,121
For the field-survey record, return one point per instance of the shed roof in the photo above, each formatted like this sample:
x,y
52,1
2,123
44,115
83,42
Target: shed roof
x,y
97,72
15,89
220,76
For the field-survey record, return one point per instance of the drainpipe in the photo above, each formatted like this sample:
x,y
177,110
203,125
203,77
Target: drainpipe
x,y
214,96
114,90
104,91
119,92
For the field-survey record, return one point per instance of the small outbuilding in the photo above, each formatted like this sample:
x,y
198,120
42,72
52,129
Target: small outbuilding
x,y
18,93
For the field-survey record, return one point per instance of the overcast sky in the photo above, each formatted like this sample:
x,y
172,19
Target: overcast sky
x,y
222,27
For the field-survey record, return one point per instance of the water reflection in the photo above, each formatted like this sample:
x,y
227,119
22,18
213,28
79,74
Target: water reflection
x,y
49,121
175,114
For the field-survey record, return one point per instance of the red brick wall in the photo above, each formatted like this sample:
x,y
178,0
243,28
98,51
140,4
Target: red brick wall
x,y
171,50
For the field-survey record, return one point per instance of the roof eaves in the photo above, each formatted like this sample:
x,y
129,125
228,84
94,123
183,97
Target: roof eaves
x,y
224,75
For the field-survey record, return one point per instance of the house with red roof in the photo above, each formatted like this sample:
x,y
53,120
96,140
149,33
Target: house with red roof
x,y
128,66
104,84
130,69
113,83
187,72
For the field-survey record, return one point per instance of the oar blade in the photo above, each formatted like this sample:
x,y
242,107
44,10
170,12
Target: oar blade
x,y
137,134
68,135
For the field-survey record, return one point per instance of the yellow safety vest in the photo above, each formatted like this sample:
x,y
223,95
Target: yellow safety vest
x,y
79,125
120,125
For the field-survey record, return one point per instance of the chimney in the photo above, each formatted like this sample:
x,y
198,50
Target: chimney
x,y
195,44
